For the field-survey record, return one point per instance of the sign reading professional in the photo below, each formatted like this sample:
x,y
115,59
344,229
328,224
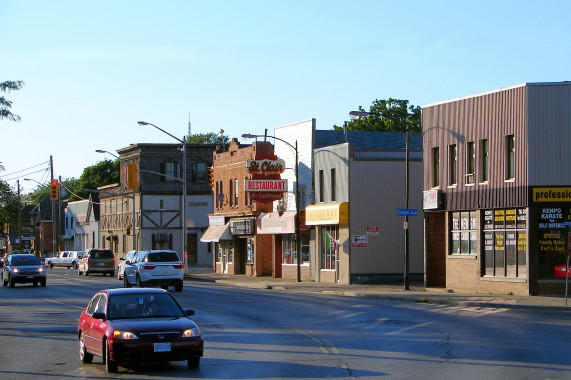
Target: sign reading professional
x,y
551,194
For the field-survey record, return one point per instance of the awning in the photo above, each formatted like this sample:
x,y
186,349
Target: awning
x,y
67,237
276,223
327,214
216,233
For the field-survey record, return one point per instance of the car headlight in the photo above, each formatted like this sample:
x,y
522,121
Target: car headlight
x,y
40,270
117,334
191,332
15,270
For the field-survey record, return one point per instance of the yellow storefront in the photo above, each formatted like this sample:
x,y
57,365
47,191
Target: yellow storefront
x,y
331,221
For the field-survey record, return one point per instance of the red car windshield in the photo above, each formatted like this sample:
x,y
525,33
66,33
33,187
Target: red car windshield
x,y
128,306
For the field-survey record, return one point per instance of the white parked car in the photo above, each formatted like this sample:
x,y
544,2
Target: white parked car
x,y
69,259
122,264
154,268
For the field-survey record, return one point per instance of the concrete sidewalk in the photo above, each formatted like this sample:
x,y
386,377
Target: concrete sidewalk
x,y
417,292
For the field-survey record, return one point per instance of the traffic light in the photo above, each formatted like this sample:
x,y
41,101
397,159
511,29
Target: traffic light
x,y
211,175
54,190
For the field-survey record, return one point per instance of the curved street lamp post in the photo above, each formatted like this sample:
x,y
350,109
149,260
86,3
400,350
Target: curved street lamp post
x,y
297,231
184,247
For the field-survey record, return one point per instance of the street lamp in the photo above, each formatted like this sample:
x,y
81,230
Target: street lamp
x,y
357,115
183,188
297,232
134,231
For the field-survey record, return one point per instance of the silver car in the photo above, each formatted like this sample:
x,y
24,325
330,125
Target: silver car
x,y
122,264
23,268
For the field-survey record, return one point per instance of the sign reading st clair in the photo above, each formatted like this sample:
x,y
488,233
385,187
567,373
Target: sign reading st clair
x,y
266,167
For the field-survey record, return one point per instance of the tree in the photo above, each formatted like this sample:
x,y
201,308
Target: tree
x,y
102,173
391,115
5,105
208,138
8,207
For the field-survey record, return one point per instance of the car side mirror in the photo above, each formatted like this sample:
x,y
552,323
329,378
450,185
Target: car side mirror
x,y
122,258
189,312
128,262
99,315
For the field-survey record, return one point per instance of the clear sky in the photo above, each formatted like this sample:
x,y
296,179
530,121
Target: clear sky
x,y
92,69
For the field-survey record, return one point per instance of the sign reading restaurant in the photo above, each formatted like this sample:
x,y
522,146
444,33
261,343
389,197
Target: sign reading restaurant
x,y
266,185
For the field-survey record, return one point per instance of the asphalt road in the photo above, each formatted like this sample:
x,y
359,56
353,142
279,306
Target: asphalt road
x,y
265,334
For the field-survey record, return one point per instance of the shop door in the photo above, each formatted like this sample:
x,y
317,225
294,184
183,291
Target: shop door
x,y
191,249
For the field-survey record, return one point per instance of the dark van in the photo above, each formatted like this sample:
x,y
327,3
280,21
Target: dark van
x,y
97,260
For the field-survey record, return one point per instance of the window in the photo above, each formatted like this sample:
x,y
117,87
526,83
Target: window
x,y
321,186
246,195
236,192
231,193
161,204
435,167
328,248
510,157
289,249
171,171
505,246
484,160
249,251
216,194
199,172
464,233
470,162
333,184
452,165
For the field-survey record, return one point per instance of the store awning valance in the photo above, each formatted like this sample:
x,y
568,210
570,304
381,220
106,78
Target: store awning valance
x,y
276,223
327,213
217,233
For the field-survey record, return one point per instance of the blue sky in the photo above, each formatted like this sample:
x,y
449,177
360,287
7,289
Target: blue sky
x,y
94,68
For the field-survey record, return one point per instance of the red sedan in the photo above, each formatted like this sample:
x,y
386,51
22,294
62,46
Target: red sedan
x,y
559,271
137,325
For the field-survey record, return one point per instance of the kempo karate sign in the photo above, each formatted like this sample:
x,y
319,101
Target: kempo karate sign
x,y
266,184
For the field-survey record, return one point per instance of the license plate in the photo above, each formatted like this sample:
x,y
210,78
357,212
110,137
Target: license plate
x,y
30,277
101,264
162,347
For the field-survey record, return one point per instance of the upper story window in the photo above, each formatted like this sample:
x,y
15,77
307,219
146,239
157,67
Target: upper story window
x,y
452,165
484,160
231,193
161,204
236,192
510,157
333,185
199,172
470,162
321,187
435,167
216,194
171,171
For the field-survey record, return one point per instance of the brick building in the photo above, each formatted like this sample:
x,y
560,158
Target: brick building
x,y
232,226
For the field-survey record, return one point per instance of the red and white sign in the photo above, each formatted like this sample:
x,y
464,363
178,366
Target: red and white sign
x,y
372,230
359,241
266,167
266,185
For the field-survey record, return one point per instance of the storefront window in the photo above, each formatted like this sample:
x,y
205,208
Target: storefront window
x,y
552,240
464,233
290,249
249,251
505,247
328,246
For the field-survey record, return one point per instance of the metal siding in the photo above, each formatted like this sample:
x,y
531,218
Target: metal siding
x,y
549,130
374,200
489,116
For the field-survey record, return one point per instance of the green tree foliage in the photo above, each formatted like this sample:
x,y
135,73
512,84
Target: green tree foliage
x,y
208,138
5,105
102,173
391,115
8,206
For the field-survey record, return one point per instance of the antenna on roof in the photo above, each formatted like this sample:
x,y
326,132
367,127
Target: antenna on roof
x,y
189,126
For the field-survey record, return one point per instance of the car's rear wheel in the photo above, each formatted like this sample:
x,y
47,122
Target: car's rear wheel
x,y
110,365
119,277
86,273
140,283
74,265
194,362
84,356
50,264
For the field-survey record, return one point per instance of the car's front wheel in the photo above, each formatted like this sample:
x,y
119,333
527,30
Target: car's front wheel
x,y
50,264
110,365
12,282
84,356
74,265
140,283
126,282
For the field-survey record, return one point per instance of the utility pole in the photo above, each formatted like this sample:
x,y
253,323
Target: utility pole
x,y
53,209
19,217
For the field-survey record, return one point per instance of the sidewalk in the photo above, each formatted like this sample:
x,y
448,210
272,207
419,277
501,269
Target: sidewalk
x,y
417,292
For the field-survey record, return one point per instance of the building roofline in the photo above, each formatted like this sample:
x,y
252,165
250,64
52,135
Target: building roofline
x,y
498,90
